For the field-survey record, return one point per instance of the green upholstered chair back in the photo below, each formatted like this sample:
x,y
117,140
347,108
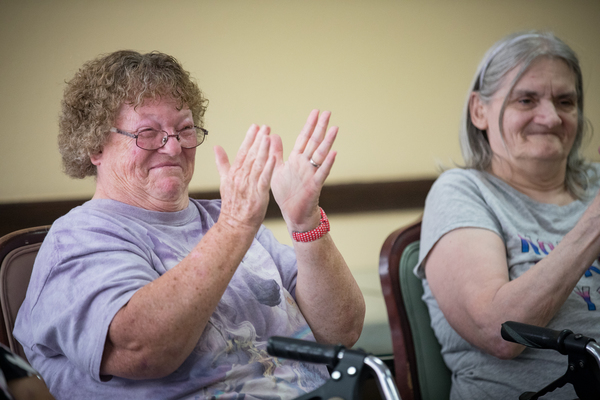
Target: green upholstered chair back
x,y
420,371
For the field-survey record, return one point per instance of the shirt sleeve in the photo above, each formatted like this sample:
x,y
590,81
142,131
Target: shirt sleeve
x,y
84,277
456,200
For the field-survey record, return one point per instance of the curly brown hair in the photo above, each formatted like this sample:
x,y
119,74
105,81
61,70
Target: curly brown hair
x,y
94,96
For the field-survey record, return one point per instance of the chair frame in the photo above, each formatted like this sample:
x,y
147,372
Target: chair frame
x,y
405,362
8,243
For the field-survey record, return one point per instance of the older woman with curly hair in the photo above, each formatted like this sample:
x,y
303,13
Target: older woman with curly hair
x,y
143,292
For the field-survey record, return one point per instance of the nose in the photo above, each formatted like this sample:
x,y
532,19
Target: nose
x,y
547,115
171,146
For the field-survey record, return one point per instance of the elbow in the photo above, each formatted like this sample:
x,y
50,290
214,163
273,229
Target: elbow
x,y
345,330
355,328
347,338
508,352
138,364
503,350
353,338
153,368
488,339
141,369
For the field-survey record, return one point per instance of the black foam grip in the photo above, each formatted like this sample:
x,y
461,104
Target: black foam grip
x,y
534,336
303,350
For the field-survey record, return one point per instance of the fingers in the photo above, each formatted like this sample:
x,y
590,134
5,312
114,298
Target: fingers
x,y
245,183
306,131
260,154
325,168
318,134
267,173
313,142
221,160
252,156
322,155
258,160
322,151
247,143
277,149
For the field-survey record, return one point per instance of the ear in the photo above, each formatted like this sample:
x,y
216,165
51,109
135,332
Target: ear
x,y
96,158
478,111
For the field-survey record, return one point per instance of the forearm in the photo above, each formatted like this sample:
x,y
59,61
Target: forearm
x,y
156,331
539,294
327,294
476,295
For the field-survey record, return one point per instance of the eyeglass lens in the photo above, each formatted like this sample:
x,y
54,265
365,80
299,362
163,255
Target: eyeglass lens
x,y
151,139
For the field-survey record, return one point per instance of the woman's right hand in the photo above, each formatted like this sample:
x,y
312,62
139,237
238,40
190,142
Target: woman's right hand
x,y
245,183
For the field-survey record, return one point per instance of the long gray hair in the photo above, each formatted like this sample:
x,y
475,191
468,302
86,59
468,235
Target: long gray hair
x,y
519,50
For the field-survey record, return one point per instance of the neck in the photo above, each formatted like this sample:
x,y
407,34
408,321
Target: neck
x,y
177,203
543,181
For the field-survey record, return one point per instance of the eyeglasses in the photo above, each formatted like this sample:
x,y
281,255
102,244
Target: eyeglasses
x,y
153,139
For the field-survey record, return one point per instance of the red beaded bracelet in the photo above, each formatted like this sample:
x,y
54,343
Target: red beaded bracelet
x,y
313,234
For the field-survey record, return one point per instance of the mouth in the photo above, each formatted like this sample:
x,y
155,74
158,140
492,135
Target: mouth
x,y
545,133
166,165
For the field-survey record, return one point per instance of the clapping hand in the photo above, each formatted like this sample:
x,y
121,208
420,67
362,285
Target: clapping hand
x,y
297,182
245,184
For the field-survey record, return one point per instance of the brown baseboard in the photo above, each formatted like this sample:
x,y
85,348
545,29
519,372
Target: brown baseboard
x,y
335,199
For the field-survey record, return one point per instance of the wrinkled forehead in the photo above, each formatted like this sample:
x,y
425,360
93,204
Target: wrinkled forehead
x,y
163,108
525,74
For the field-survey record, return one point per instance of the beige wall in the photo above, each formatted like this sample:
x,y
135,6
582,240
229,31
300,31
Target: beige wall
x,y
394,73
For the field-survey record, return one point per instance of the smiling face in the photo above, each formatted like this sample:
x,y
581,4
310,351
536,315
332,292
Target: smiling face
x,y
540,117
155,180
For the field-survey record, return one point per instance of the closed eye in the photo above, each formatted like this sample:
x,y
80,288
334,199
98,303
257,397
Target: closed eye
x,y
526,102
187,131
148,132
524,98
567,102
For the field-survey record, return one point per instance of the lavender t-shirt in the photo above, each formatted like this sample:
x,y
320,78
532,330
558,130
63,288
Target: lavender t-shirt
x,y
98,255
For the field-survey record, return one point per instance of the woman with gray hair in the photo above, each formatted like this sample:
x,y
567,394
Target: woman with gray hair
x,y
145,293
514,235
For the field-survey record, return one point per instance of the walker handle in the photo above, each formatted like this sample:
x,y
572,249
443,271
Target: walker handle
x,y
535,336
301,350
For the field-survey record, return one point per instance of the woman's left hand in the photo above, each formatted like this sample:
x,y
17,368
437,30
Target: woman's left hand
x,y
297,183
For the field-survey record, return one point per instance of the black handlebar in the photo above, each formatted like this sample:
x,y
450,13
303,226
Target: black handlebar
x,y
583,370
301,350
347,364
535,336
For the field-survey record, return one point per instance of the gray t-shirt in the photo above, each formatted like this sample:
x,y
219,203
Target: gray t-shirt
x,y
468,198
98,255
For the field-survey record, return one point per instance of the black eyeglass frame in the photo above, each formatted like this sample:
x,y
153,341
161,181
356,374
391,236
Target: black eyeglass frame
x,y
167,135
